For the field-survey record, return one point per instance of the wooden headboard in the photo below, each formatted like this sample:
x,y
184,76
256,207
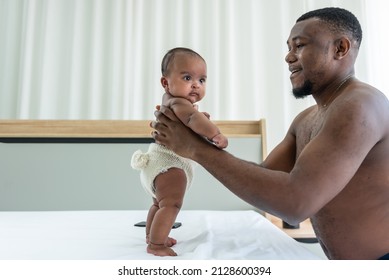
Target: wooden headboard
x,y
16,131
85,165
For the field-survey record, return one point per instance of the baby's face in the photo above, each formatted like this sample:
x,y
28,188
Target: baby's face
x,y
187,77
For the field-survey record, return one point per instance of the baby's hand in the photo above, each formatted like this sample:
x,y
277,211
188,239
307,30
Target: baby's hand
x,y
207,115
220,141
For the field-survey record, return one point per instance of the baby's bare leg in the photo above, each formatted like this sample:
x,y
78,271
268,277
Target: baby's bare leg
x,y
150,216
153,209
170,189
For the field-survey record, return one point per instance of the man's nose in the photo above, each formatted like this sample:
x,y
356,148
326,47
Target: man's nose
x,y
290,57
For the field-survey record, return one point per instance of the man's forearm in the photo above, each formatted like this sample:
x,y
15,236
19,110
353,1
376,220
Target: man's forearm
x,y
249,181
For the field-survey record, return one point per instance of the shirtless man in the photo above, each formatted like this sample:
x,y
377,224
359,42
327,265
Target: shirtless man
x,y
333,164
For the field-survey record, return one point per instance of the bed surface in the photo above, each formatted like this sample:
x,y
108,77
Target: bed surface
x,y
111,235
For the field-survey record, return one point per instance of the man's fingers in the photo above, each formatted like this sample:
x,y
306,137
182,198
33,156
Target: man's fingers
x,y
158,126
160,117
157,135
164,120
168,113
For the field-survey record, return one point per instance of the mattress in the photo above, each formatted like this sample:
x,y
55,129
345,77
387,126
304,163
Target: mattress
x,y
111,235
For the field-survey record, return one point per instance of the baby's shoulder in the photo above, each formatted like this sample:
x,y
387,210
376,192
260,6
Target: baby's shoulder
x,y
173,101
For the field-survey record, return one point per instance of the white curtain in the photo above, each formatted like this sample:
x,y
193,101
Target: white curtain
x,y
100,59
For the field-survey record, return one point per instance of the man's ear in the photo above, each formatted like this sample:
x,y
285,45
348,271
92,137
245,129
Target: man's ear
x,y
164,83
343,46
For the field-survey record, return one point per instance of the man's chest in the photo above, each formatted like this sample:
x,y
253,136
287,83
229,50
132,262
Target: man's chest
x,y
308,129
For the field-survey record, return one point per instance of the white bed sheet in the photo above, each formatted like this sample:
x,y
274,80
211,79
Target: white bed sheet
x,y
111,235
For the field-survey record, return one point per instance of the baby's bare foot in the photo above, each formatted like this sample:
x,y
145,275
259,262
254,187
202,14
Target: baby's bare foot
x,y
169,242
160,250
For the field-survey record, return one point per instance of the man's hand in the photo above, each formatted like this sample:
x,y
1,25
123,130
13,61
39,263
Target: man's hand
x,y
172,133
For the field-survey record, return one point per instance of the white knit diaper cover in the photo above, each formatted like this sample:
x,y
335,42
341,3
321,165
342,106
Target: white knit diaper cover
x,y
157,160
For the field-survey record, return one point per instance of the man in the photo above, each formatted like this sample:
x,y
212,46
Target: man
x,y
333,164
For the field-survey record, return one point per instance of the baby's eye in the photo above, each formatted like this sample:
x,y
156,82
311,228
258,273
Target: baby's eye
x,y
187,78
202,81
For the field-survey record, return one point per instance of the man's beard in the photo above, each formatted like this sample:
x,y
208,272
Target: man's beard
x,y
303,91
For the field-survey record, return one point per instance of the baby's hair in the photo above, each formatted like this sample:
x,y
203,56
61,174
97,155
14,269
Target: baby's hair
x,y
169,58
338,20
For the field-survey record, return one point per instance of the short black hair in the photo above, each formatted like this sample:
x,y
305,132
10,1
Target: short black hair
x,y
338,20
169,57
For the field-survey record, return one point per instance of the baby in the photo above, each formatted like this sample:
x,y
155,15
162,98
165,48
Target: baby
x,y
164,174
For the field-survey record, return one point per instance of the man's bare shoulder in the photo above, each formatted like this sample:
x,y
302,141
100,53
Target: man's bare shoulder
x,y
360,92
364,103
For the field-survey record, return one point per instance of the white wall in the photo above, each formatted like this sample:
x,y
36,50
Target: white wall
x,y
99,177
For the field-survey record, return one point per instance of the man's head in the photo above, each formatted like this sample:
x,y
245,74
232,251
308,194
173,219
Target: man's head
x,y
323,46
339,21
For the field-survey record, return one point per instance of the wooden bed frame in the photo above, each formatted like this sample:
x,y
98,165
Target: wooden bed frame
x,y
16,131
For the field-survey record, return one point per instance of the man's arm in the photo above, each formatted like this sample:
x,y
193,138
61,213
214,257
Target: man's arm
x,y
239,176
321,171
283,156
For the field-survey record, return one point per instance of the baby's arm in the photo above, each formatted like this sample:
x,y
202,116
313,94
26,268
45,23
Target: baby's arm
x,y
197,121
220,141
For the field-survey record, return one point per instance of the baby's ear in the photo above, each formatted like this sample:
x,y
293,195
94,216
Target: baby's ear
x,y
164,83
